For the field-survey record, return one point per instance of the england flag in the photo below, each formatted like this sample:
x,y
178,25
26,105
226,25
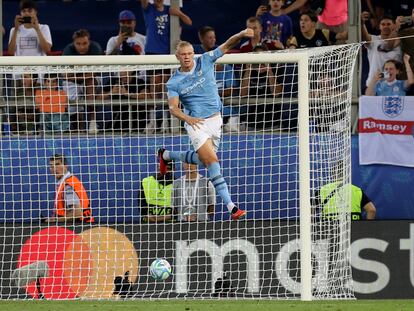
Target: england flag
x,y
386,130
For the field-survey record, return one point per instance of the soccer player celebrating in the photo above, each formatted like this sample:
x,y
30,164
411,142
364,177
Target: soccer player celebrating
x,y
194,85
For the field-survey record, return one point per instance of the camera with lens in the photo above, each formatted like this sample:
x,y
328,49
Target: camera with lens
x,y
384,75
407,20
26,20
126,29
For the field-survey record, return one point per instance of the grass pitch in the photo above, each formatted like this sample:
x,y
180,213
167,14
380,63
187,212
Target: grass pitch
x,y
208,305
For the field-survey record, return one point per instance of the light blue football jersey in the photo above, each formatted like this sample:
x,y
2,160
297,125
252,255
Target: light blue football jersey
x,y
395,88
197,90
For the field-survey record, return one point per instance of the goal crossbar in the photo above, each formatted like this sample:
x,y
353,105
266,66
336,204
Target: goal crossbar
x,y
98,60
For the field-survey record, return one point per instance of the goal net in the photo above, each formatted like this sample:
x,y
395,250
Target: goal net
x,y
97,122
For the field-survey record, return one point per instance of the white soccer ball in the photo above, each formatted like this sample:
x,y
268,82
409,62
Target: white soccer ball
x,y
160,269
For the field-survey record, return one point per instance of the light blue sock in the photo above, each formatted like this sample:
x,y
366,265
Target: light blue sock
x,y
190,157
214,174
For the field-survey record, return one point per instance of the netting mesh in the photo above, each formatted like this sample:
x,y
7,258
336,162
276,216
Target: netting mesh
x,y
109,120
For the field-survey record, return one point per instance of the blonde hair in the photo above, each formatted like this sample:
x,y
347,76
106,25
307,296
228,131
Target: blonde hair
x,y
254,19
182,44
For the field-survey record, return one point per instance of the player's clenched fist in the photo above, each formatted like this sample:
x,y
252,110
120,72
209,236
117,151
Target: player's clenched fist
x,y
247,33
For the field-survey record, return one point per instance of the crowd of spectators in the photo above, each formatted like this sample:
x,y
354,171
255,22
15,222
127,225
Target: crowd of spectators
x,y
102,101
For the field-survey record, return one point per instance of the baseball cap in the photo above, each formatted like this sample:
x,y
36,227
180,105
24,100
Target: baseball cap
x,y
126,15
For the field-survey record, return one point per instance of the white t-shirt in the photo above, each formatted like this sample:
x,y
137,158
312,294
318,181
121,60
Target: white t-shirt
x,y
136,42
27,42
193,197
378,58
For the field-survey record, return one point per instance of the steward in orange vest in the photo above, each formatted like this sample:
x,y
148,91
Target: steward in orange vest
x,y
67,181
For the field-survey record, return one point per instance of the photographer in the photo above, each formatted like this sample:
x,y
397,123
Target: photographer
x,y
28,37
127,42
386,83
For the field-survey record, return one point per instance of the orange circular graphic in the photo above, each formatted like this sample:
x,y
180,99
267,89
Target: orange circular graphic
x,y
113,254
77,265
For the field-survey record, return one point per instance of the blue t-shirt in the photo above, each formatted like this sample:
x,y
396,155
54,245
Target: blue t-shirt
x,y
197,90
395,88
276,27
157,26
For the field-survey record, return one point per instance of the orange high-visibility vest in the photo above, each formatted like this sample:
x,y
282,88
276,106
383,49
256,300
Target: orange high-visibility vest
x,y
77,186
51,101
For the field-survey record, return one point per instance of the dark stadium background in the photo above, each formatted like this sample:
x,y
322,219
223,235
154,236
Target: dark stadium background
x,y
101,18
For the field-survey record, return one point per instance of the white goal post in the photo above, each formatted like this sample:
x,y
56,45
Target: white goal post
x,y
275,165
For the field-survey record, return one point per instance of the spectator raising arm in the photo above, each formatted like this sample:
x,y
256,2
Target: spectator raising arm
x,y
410,76
184,18
364,31
370,7
296,5
261,10
173,11
144,3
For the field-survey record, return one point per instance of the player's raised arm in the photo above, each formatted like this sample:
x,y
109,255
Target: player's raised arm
x,y
235,39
